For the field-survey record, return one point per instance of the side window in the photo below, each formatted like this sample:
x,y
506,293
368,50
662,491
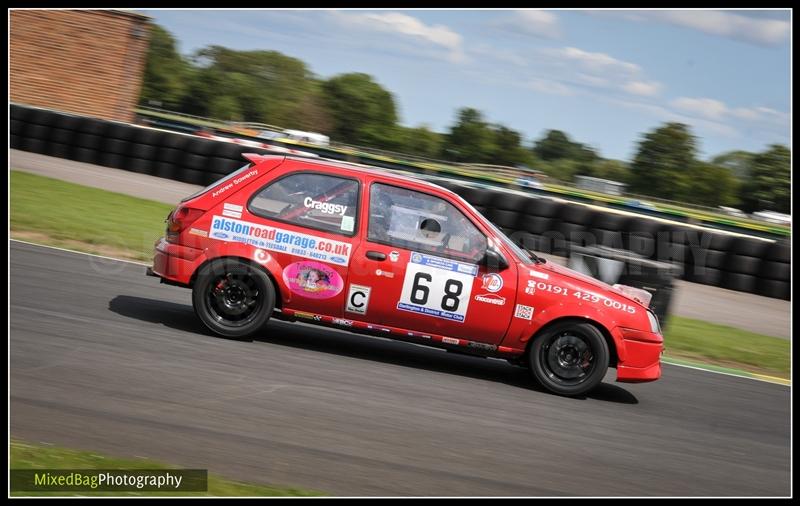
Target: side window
x,y
421,222
310,200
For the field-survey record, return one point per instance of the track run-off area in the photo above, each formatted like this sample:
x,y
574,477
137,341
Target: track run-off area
x,y
103,358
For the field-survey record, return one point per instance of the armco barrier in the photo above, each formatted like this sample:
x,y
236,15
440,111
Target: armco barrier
x,y
539,223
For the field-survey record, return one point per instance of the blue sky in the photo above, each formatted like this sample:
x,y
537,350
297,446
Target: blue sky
x,y
604,77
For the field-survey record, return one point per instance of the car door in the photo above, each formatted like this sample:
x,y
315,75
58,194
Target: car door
x,y
417,268
310,225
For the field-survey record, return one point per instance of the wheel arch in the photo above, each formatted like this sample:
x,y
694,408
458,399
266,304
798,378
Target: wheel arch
x,y
613,358
250,262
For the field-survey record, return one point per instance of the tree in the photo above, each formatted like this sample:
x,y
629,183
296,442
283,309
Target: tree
x,y
555,145
420,141
164,82
615,170
738,162
713,185
470,139
508,148
769,185
664,164
363,111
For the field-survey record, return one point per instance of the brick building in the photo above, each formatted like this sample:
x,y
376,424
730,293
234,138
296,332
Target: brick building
x,y
88,62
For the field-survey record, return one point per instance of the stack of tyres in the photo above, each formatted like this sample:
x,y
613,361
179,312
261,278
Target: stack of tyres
x,y
608,229
774,278
480,198
505,211
709,259
539,224
573,228
641,236
742,264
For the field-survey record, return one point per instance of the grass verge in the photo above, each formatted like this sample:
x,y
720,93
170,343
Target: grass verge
x,y
53,212
87,219
24,455
727,346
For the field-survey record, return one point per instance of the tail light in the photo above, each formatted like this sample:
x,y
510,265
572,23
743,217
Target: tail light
x,y
179,219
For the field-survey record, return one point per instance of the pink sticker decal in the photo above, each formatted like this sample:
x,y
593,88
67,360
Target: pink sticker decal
x,y
312,280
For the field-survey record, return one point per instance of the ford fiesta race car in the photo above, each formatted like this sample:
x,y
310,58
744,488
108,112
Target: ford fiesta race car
x,y
369,251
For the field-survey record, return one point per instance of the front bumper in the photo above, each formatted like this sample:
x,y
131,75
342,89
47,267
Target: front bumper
x,y
639,355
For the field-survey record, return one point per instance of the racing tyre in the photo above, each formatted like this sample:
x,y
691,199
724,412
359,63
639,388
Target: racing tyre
x,y
232,298
570,358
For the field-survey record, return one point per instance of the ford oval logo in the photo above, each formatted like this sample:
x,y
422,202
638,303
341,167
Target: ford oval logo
x,y
221,235
338,260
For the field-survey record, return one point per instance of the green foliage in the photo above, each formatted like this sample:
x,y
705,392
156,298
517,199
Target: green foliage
x,y
363,111
713,185
738,162
663,165
769,185
470,139
420,141
165,71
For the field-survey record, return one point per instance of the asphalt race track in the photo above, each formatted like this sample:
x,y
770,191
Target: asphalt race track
x,y
105,359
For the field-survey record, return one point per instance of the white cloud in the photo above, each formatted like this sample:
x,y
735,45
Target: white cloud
x,y
704,107
538,23
753,30
409,27
716,110
548,86
643,88
665,114
596,62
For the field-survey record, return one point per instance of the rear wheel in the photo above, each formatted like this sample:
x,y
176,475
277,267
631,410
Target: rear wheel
x,y
232,298
570,358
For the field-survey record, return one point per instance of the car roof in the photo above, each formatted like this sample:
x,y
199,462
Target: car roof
x,y
369,170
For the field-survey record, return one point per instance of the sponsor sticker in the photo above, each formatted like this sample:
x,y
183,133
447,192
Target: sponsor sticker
x,y
197,231
394,256
281,240
491,298
348,223
312,280
379,272
232,207
524,312
325,207
343,322
232,210
450,340
261,256
540,275
530,290
303,314
358,299
492,282
231,214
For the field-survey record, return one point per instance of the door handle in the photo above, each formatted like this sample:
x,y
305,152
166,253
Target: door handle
x,y
376,255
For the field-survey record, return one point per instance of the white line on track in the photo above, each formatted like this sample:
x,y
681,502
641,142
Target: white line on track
x,y
82,253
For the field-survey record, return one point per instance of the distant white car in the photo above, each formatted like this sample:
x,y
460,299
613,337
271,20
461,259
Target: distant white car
x,y
773,217
732,211
529,182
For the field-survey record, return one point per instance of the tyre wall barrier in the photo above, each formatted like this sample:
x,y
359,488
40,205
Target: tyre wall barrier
x,y
535,222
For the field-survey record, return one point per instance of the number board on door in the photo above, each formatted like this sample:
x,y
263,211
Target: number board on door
x,y
437,287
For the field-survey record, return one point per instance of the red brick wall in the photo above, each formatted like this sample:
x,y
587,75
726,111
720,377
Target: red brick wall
x,y
88,62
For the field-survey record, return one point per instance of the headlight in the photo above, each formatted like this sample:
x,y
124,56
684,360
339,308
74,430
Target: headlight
x,y
654,326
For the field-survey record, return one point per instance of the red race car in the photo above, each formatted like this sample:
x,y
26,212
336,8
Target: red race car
x,y
370,251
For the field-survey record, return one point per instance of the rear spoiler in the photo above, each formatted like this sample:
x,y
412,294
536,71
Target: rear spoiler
x,y
256,158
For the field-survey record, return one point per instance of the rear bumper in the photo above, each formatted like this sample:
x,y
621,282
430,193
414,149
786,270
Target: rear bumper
x,y
174,263
639,355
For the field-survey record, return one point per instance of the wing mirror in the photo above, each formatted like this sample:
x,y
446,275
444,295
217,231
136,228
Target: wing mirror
x,y
494,260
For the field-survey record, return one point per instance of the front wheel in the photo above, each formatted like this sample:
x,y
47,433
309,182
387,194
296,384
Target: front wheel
x,y
233,298
570,358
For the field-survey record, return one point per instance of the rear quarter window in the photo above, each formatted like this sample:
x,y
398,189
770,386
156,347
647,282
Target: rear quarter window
x,y
318,201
